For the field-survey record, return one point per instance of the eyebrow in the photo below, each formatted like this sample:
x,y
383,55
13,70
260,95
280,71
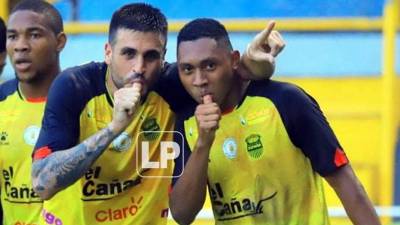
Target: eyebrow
x,y
29,29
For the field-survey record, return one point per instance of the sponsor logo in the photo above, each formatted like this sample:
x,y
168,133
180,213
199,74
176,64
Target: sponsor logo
x,y
4,138
122,142
258,116
254,146
235,208
98,191
230,148
50,218
31,135
150,129
23,193
108,215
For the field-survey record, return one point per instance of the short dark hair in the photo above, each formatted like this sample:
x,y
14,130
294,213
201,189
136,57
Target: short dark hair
x,y
139,17
53,17
3,35
204,28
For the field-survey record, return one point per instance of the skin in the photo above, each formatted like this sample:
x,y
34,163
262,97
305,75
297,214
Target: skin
x,y
208,74
206,68
3,56
34,50
132,52
207,71
135,57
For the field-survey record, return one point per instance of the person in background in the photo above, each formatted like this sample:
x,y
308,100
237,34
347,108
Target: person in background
x,y
35,38
3,52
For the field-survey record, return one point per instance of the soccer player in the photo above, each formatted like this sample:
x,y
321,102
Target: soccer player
x,y
87,146
35,39
3,53
260,146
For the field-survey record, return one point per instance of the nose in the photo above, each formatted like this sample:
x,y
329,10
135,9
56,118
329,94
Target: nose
x,y
139,65
21,45
200,79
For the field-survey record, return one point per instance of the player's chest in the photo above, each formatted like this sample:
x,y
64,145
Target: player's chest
x,y
20,125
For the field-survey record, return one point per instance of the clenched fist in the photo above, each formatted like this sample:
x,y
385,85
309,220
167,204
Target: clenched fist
x,y
126,101
207,116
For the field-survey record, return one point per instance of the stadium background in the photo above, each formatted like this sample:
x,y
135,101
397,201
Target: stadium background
x,y
343,52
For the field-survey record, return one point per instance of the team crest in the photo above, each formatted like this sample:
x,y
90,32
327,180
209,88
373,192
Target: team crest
x,y
254,146
31,135
230,148
122,142
151,129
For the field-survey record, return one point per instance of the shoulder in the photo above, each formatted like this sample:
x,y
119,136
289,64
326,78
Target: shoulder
x,y
294,105
84,78
275,89
8,88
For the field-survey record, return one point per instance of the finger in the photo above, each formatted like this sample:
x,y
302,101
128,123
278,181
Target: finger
x,y
207,99
276,45
211,125
264,34
210,118
137,85
277,34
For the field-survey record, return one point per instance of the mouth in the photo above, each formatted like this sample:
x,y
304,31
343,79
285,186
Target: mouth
x,y
204,92
134,78
22,64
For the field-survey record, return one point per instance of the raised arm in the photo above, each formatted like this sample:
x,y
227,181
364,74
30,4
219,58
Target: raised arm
x,y
353,197
63,168
189,192
258,61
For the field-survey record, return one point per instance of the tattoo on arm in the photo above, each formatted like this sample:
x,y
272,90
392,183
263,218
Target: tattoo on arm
x,y
62,168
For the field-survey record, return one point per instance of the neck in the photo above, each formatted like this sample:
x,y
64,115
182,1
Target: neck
x,y
236,93
110,85
38,88
111,88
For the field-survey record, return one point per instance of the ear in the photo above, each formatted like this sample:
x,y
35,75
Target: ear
x,y
108,53
163,58
61,41
235,57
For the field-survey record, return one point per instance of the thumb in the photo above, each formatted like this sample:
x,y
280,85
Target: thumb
x,y
207,99
137,85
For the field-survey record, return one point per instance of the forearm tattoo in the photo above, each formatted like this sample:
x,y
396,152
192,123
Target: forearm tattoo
x,y
62,168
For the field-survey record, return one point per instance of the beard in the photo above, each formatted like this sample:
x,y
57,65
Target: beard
x,y
30,79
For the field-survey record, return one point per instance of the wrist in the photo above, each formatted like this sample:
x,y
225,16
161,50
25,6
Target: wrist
x,y
115,129
258,66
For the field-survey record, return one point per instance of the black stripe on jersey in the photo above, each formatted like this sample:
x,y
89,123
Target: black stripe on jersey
x,y
8,88
304,122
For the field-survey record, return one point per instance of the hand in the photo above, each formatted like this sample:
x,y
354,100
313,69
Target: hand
x,y
259,57
126,101
207,115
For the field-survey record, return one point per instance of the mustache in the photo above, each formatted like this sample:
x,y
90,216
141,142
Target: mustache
x,y
130,78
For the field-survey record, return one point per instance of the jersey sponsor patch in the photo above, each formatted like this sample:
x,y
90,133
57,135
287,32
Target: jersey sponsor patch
x,y
254,146
149,127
